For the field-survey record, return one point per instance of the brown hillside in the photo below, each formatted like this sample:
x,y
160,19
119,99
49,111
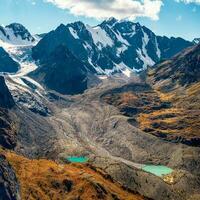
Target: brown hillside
x,y
48,180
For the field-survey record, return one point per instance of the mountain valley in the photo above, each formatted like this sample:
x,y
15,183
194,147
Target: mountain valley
x,y
116,94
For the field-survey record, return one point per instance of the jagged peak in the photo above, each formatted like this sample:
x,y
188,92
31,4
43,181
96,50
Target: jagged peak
x,y
61,26
15,26
111,20
18,29
77,24
15,33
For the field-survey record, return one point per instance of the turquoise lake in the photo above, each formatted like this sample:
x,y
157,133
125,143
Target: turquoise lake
x,y
75,159
157,170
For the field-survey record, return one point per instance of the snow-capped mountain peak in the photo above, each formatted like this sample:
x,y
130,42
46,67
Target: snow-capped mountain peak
x,y
107,47
16,34
16,63
110,21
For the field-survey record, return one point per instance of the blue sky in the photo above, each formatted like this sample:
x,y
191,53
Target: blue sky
x,y
164,17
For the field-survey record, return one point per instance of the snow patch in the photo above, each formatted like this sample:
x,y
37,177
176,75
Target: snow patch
x,y
74,33
127,72
143,55
87,46
124,69
124,43
102,77
121,67
158,52
132,32
20,54
121,39
121,49
97,68
33,82
100,37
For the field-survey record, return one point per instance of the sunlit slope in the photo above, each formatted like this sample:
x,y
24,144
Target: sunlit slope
x,y
45,179
168,105
178,82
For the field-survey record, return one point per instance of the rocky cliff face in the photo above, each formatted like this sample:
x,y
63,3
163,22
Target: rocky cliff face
x,y
9,185
7,64
7,131
8,135
62,72
6,100
111,46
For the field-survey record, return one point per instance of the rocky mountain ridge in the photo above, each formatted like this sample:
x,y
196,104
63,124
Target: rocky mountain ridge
x,y
111,46
16,34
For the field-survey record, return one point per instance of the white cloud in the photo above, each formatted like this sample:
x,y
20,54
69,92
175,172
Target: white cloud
x,y
189,1
120,9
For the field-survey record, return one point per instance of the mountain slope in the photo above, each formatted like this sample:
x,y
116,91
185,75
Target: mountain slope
x,y
16,34
172,46
152,125
111,46
62,72
7,64
7,130
178,81
181,70
168,105
6,100
59,181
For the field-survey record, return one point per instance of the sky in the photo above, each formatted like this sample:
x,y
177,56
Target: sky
x,y
178,18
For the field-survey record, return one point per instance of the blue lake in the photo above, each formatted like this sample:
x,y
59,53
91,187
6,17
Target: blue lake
x,y
157,170
75,159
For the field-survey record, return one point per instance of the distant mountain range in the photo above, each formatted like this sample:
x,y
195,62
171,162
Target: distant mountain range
x,y
108,48
111,46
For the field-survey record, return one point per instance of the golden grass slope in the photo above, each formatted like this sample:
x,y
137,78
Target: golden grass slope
x,y
48,180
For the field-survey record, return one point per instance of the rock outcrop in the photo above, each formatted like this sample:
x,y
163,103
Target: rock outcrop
x,y
6,100
9,185
7,64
